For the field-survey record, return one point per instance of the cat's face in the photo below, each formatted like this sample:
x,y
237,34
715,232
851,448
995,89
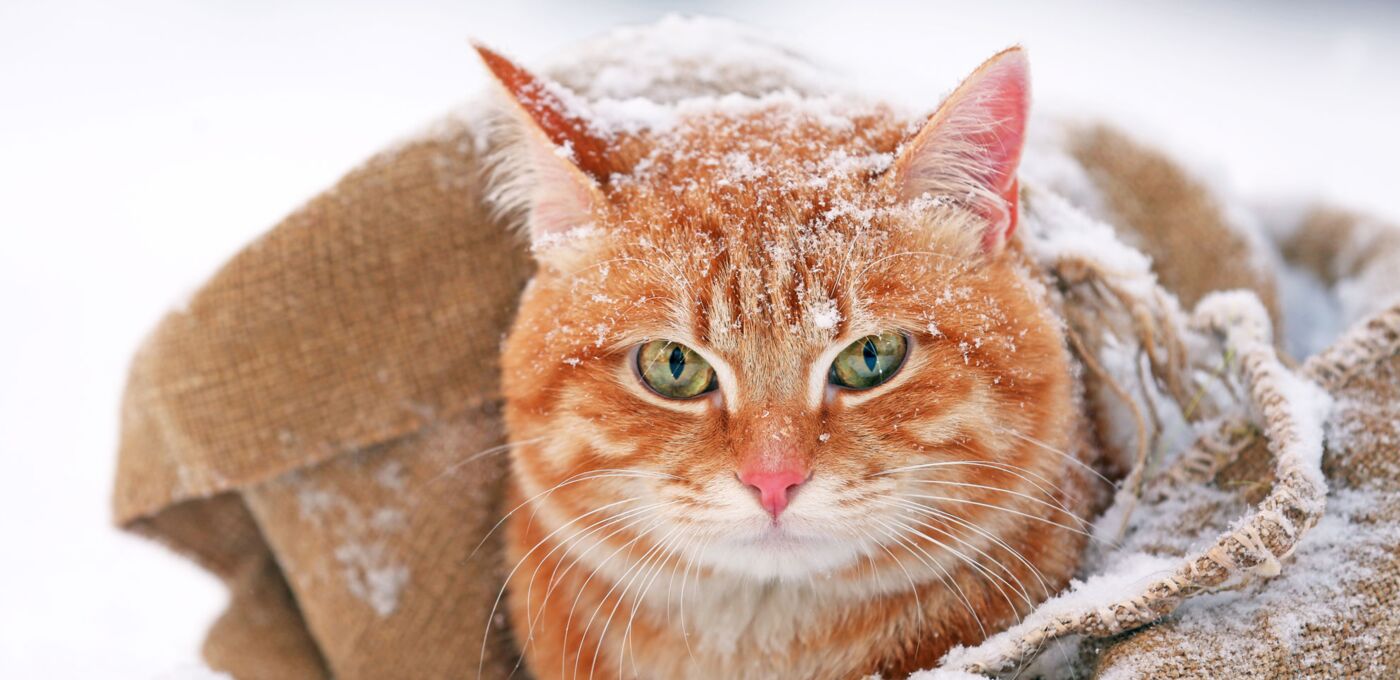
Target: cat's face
x,y
753,347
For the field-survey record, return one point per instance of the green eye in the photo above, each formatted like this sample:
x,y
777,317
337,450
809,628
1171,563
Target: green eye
x,y
673,370
869,361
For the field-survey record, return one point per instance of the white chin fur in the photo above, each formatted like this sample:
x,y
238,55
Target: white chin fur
x,y
771,553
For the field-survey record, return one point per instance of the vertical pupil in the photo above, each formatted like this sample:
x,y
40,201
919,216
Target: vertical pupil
x,y
868,351
677,361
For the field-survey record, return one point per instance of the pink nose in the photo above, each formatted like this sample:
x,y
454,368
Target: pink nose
x,y
774,486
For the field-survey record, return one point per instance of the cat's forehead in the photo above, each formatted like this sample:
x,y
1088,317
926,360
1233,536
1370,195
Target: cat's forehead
x,y
781,161
758,191
760,229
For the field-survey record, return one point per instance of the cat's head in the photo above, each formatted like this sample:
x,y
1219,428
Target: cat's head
x,y
780,336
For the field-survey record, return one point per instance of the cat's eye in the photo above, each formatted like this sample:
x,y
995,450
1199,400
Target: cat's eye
x,y
674,371
869,361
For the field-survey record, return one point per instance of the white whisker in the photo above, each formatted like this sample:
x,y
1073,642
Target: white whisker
x,y
501,594
568,623
632,571
1003,508
944,575
1066,456
996,579
1014,470
1057,508
949,517
1018,587
580,477
657,568
502,448
557,575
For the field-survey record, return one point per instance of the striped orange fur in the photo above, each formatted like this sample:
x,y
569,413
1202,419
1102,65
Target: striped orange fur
x,y
767,235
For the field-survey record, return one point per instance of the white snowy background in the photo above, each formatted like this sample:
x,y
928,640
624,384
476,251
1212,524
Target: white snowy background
x,y
142,142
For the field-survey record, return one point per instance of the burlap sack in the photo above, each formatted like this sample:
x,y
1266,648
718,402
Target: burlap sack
x,y
318,426
304,427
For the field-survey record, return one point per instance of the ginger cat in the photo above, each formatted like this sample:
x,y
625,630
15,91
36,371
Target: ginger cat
x,y
783,400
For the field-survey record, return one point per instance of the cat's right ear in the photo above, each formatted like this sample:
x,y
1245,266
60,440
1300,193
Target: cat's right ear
x,y
557,161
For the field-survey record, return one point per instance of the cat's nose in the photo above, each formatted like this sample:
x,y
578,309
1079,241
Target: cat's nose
x,y
774,487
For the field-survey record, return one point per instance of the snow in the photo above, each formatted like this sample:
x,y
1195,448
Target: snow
x,y
825,315
1059,230
193,671
1311,406
144,142
1323,575
364,559
677,49
1314,317
1122,580
1308,404
939,674
371,576
636,114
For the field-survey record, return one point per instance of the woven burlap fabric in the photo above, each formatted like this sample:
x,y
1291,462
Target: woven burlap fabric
x,y
1159,208
383,550
1361,646
308,405
1344,250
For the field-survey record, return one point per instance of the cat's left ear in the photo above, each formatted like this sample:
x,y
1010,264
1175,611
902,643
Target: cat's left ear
x,y
970,149
559,154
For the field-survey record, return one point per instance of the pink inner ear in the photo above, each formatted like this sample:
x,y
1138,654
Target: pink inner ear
x,y
977,135
1000,97
995,237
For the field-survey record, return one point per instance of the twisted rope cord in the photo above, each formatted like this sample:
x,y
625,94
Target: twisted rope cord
x,y
1333,368
1265,537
